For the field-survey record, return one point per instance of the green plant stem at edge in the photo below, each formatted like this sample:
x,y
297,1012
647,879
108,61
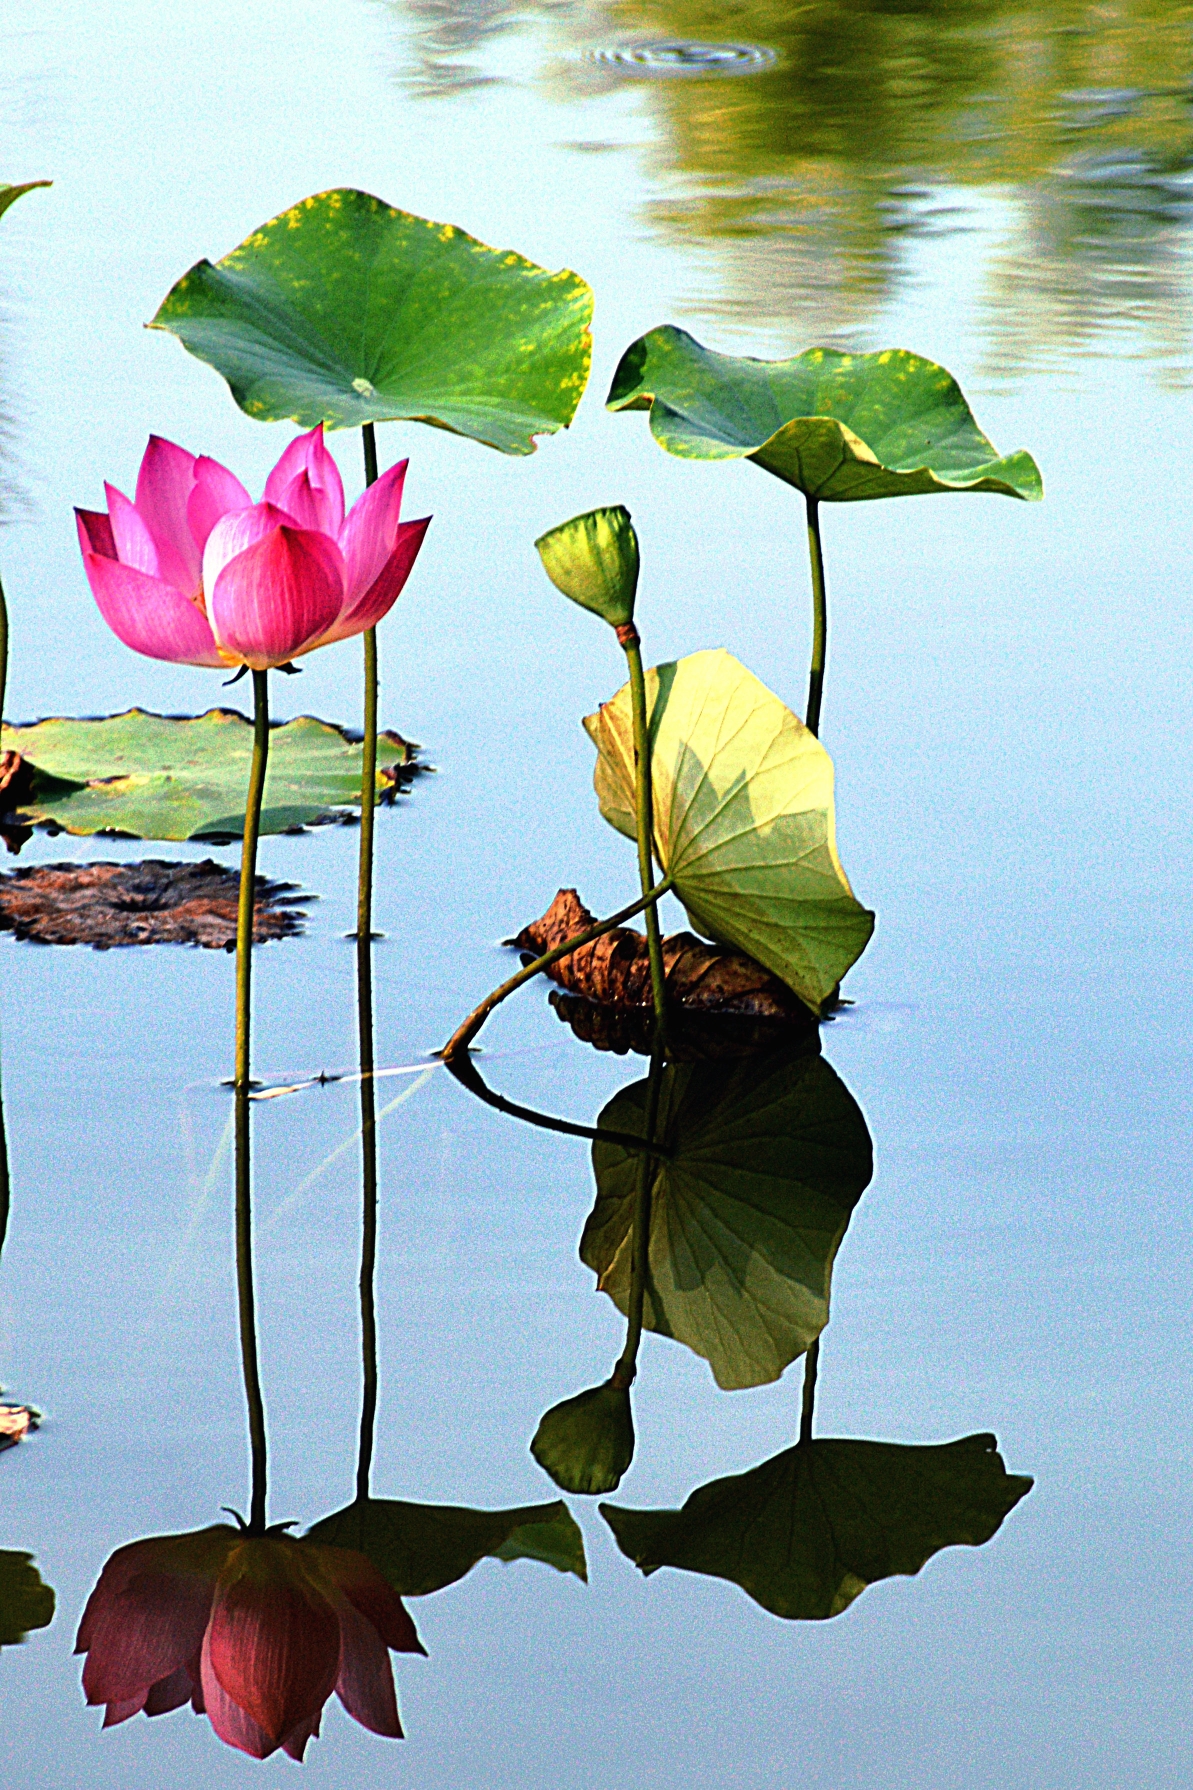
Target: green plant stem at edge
x,y
242,1085
627,1365
819,619
464,1033
808,1403
3,651
5,1187
644,807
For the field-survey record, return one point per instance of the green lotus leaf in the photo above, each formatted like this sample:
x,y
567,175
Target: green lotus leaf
x,y
10,194
766,1159
593,559
806,1532
26,1601
420,1548
344,311
839,427
172,777
743,817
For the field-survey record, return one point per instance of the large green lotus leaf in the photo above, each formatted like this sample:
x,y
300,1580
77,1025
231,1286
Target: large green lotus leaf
x,y
840,427
26,1601
421,1548
10,194
743,817
804,1533
171,777
766,1159
343,311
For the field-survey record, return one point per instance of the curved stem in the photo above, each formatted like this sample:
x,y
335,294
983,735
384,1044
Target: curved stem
x,y
808,1406
3,651
644,805
819,618
467,1074
368,1240
464,1033
244,1181
627,1364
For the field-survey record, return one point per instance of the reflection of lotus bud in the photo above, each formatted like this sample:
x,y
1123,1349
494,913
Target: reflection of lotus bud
x,y
593,559
255,1631
587,1442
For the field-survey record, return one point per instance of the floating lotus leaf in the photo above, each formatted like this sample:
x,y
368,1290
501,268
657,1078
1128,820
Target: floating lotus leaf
x,y
10,194
170,777
343,311
839,427
743,817
804,1533
26,1601
421,1548
766,1159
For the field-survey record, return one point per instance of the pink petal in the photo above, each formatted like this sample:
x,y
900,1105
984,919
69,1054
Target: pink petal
x,y
199,1551
307,453
278,598
215,493
95,533
163,488
380,599
134,543
170,1693
365,1684
148,615
273,1641
236,531
229,1720
357,1579
296,1743
370,532
121,1711
144,1634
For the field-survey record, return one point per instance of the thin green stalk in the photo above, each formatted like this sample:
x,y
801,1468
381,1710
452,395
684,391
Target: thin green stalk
x,y
368,1240
819,618
464,1033
368,770
644,803
627,1365
242,1084
3,651
811,1363
5,1186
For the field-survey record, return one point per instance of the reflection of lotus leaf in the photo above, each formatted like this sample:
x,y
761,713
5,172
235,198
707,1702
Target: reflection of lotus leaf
x,y
343,310
171,777
743,812
26,1601
804,1533
766,1160
420,1548
840,427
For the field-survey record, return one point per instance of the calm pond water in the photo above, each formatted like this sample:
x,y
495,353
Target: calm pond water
x,y
1003,186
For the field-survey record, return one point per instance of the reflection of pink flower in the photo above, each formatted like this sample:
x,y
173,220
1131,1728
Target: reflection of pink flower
x,y
193,570
256,1631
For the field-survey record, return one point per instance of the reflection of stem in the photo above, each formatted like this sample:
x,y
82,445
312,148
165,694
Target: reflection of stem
x,y
627,1366
3,649
368,767
467,1074
463,1035
644,804
819,618
811,1362
242,1083
5,1188
368,1239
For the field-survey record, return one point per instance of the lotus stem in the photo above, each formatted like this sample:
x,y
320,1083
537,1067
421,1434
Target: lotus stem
x,y
368,766
808,1406
242,1084
368,1240
627,1364
819,619
5,1185
466,1073
463,1035
644,805
3,651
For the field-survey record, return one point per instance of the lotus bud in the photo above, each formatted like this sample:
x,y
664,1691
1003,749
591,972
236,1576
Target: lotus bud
x,y
593,559
587,1442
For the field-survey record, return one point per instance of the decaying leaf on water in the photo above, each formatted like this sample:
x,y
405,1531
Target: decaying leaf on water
x,y
15,1423
151,903
692,1037
804,1533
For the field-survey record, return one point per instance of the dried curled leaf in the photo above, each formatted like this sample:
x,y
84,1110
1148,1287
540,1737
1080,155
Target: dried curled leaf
x,y
15,1423
615,970
151,903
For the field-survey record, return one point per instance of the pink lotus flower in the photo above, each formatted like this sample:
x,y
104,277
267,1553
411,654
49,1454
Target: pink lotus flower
x,y
193,570
256,1631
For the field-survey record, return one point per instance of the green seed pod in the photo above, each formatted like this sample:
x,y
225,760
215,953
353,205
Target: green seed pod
x,y
593,559
587,1442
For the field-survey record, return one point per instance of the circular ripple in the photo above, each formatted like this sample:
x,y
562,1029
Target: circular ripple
x,y
682,56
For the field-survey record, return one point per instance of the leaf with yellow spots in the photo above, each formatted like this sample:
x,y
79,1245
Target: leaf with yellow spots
x,y
345,311
839,427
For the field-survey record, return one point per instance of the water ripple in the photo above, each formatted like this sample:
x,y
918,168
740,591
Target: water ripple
x,y
683,56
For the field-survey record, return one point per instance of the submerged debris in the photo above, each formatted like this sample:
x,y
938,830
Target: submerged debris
x,y
151,903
